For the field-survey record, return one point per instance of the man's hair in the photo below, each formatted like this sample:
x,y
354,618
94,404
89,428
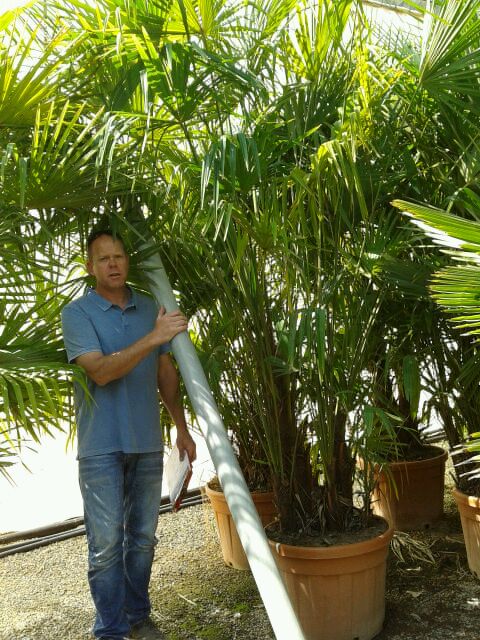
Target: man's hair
x,y
97,233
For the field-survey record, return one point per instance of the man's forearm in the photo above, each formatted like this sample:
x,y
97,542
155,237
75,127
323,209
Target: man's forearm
x,y
104,368
169,388
170,393
113,366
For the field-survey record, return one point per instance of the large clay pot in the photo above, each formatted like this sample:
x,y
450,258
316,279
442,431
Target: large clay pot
x,y
232,549
415,500
338,592
469,509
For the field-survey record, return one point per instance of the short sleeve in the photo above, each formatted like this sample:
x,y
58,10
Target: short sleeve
x,y
79,334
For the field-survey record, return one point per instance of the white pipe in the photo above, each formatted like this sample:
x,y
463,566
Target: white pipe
x,y
250,529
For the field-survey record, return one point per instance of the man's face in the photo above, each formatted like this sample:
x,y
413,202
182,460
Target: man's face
x,y
108,263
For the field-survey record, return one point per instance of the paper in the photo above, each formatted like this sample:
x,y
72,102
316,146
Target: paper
x,y
177,474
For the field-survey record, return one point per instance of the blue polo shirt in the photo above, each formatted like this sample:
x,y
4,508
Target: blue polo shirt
x,y
124,414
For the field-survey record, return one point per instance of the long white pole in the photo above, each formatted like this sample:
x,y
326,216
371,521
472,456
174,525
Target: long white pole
x,y
250,529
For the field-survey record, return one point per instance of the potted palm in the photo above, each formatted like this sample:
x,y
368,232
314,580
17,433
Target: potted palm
x,y
290,265
410,488
420,351
428,357
300,354
455,288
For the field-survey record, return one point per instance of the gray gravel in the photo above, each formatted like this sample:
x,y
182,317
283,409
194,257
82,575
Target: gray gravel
x,y
44,593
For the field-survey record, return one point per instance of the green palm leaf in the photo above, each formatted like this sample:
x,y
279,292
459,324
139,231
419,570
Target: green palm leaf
x,y
28,78
447,230
72,159
450,65
457,287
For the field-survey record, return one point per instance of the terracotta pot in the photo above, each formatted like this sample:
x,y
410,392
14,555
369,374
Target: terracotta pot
x,y
415,501
232,549
469,509
337,592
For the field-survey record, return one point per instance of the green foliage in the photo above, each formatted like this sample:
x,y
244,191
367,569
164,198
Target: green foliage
x,y
457,286
265,142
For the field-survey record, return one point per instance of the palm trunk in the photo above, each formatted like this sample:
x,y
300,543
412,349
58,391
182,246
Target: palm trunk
x,y
293,487
339,491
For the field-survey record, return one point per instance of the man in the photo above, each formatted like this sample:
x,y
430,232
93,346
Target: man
x,y
117,336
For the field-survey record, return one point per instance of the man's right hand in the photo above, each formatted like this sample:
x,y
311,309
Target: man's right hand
x,y
168,325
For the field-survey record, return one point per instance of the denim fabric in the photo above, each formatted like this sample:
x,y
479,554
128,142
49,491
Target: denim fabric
x,y
121,495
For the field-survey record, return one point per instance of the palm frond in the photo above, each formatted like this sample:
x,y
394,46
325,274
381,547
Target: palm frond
x,y
450,64
29,75
456,287
444,228
71,162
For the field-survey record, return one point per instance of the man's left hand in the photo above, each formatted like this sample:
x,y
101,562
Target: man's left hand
x,y
186,445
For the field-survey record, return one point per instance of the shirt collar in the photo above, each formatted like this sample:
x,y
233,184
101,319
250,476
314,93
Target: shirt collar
x,y
105,304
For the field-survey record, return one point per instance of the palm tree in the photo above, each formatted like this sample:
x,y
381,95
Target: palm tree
x,y
291,269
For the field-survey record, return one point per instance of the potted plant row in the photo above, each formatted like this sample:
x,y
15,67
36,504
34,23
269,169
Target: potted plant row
x,y
291,265
278,182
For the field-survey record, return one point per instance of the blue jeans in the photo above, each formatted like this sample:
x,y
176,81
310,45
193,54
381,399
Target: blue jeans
x,y
121,499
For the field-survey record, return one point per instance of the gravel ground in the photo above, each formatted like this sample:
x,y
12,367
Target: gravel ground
x,y
44,593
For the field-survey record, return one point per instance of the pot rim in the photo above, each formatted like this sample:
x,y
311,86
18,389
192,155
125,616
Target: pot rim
x,y
465,498
335,551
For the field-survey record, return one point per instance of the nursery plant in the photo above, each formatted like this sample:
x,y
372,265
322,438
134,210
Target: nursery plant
x,y
310,265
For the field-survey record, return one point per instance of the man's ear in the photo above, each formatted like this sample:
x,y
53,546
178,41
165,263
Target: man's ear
x,y
89,267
